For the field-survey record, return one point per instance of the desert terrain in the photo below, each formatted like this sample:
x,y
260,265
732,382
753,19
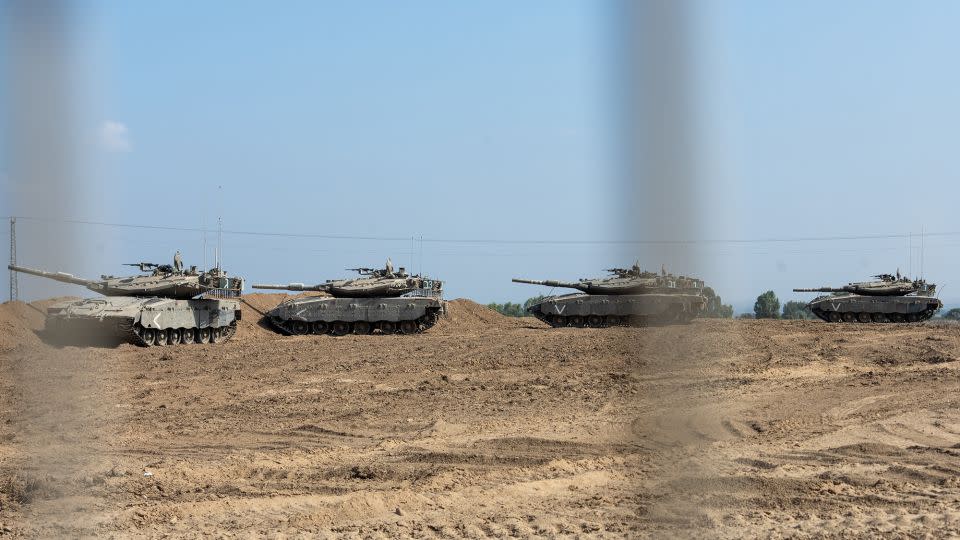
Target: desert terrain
x,y
486,426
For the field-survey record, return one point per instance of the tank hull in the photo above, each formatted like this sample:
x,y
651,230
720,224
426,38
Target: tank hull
x,y
340,316
144,321
860,308
600,310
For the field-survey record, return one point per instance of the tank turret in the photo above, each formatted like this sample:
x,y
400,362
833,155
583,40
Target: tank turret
x,y
625,281
373,282
162,281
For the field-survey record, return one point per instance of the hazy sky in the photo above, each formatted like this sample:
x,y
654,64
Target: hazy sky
x,y
462,122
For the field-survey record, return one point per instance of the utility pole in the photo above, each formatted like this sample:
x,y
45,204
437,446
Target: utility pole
x,y
14,288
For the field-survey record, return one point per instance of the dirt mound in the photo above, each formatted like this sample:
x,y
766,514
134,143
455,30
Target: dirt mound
x,y
18,321
718,428
468,316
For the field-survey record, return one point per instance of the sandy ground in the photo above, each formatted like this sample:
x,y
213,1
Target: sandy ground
x,y
486,426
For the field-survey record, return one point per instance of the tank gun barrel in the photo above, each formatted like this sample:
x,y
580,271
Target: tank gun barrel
x,y
293,287
62,277
824,289
551,283
143,266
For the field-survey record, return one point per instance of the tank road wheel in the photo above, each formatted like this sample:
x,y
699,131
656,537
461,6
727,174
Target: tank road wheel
x,y
189,336
203,335
408,327
912,317
864,317
162,338
362,328
595,321
834,316
218,335
174,335
895,317
613,320
558,321
849,317
340,328
431,318
880,317
320,327
299,328
577,321
148,335
388,327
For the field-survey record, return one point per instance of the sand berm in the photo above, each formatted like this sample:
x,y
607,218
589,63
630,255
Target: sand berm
x,y
486,426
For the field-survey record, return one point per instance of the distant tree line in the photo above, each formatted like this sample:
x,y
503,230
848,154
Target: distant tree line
x,y
511,309
952,314
767,306
715,309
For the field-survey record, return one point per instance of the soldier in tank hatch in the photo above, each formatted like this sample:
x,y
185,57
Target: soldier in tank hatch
x,y
178,262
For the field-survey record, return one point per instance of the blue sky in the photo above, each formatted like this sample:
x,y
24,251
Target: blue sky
x,y
496,120
831,119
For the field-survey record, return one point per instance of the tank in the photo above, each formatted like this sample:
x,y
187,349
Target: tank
x,y
887,298
163,306
627,297
380,300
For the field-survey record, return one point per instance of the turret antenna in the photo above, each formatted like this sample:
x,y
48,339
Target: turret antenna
x,y
921,252
203,225
220,227
219,242
910,251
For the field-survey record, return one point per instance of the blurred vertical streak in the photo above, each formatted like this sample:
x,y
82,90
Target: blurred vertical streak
x,y
41,137
661,168
660,154
55,394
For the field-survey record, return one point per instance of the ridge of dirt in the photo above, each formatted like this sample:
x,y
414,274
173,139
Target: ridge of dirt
x,y
19,322
463,315
488,426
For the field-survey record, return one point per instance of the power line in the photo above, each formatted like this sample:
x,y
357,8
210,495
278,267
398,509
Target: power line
x,y
441,240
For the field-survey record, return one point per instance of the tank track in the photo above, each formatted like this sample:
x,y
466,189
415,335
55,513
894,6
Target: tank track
x,y
341,328
610,321
138,335
851,317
